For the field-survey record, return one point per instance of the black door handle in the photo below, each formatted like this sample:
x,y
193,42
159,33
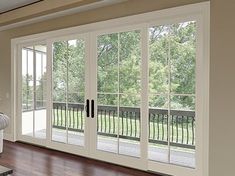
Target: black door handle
x,y
87,108
92,109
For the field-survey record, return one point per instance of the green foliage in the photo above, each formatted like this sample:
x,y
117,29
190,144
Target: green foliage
x,y
69,71
172,53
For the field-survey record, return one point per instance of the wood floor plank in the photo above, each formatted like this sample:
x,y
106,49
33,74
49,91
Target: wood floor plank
x,y
29,160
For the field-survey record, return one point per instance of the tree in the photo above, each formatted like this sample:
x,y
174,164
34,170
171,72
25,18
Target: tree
x,y
171,67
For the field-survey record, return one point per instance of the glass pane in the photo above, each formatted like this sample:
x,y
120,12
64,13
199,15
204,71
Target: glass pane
x,y
40,123
129,125
27,123
68,91
24,63
129,62
107,63
30,64
76,87
158,128
76,66
76,98
59,120
182,129
39,66
183,57
119,60
158,61
107,122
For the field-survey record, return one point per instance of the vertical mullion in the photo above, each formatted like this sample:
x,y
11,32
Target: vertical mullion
x,y
27,80
34,88
42,82
169,94
118,108
144,113
49,104
66,92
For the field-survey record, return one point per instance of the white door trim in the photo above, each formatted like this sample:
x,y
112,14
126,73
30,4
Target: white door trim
x,y
198,11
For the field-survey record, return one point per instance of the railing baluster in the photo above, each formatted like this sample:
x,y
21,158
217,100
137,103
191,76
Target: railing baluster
x,y
135,124
54,121
101,120
61,113
77,117
127,129
81,119
114,118
98,121
177,129
109,123
130,116
105,123
154,126
122,114
73,119
187,130
57,110
65,117
69,117
149,126
163,133
167,129
158,135
192,131
182,127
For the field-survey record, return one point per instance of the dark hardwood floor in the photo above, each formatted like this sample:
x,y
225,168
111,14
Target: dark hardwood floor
x,y
28,160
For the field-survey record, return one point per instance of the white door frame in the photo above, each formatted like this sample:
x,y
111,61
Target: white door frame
x,y
75,149
200,12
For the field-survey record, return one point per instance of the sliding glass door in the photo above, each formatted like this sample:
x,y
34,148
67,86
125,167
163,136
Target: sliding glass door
x,y
126,94
118,92
97,100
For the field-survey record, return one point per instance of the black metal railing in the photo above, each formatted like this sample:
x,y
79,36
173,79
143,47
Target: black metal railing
x,y
127,126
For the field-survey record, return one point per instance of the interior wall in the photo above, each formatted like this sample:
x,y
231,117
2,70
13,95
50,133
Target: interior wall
x,y
222,88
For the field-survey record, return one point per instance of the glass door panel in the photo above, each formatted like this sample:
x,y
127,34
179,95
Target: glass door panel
x,y
34,91
118,93
172,98
158,148
182,49
68,121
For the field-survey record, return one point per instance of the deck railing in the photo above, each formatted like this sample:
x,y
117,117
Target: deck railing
x,y
127,126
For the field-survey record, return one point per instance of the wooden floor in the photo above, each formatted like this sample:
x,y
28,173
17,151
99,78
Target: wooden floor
x,y
28,160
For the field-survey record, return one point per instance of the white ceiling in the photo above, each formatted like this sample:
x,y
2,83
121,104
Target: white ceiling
x,y
6,5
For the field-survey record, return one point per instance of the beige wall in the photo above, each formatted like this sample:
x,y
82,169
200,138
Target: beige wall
x,y
222,88
222,82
